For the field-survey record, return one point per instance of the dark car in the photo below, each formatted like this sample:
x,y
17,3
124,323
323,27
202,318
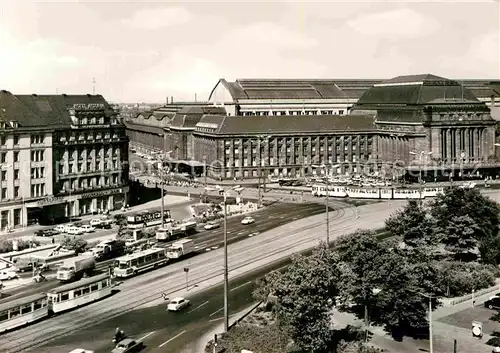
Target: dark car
x,y
493,303
46,233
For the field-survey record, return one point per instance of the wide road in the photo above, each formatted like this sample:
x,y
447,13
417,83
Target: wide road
x,y
164,331
205,270
265,219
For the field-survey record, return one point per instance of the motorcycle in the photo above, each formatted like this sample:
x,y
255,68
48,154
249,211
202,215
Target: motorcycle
x,y
119,338
39,278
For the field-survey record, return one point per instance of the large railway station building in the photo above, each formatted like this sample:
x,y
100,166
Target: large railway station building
x,y
60,156
284,127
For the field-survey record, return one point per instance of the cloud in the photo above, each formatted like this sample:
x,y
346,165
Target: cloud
x,y
266,35
153,19
401,23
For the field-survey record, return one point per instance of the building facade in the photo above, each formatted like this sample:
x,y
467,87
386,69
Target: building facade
x,y
61,156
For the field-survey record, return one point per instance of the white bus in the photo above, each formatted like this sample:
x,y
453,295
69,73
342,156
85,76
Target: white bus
x,y
147,219
130,265
79,293
19,312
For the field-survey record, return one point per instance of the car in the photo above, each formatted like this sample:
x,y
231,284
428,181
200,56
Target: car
x,y
247,220
81,350
8,275
212,225
87,228
74,230
61,228
128,345
46,232
177,304
493,303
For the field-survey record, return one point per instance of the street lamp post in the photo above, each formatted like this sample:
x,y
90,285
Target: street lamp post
x,y
265,140
326,169
162,175
226,269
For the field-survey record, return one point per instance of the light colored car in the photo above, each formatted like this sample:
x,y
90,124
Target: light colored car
x,y
87,228
61,228
212,225
95,222
75,230
177,304
8,274
81,350
247,220
127,346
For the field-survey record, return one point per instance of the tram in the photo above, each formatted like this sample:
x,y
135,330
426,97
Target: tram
x,y
388,193
23,311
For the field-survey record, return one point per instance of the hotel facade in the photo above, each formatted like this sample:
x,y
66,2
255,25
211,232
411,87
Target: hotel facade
x,y
60,156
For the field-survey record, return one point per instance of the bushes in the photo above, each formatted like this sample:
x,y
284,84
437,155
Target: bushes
x,y
77,244
460,278
7,245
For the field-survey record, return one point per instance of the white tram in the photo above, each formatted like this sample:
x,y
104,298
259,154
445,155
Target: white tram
x,y
79,293
19,312
370,192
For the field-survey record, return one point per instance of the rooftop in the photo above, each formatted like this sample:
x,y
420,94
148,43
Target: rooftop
x,y
44,110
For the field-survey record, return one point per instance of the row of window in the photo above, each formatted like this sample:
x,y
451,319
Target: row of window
x,y
146,259
34,139
236,150
305,140
92,182
88,136
294,112
236,163
36,156
37,190
88,167
23,309
94,287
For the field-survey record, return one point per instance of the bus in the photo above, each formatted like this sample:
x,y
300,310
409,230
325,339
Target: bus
x,y
147,219
130,265
79,293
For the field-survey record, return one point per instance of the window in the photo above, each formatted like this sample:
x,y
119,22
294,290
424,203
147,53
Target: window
x,y
4,193
16,140
4,316
64,296
37,139
14,312
38,305
37,156
77,293
16,191
94,287
17,217
26,309
16,156
16,174
3,157
85,290
4,175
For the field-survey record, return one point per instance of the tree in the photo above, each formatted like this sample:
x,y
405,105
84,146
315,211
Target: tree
x,y
305,292
77,244
460,237
413,224
356,347
121,221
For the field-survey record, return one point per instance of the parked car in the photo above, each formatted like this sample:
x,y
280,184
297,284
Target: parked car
x,y
247,220
212,225
8,274
87,228
128,345
75,230
61,228
46,232
493,303
177,304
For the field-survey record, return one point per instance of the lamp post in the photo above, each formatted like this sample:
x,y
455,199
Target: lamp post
x,y
162,174
326,169
262,139
226,270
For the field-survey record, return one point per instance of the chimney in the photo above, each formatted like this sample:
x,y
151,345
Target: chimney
x,y
171,99
492,101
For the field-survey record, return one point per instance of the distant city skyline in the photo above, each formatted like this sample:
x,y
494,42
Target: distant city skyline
x,y
146,52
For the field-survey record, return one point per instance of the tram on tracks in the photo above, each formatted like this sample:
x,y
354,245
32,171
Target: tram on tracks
x,y
374,192
23,311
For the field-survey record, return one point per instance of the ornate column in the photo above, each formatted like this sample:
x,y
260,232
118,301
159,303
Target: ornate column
x,y
467,143
448,146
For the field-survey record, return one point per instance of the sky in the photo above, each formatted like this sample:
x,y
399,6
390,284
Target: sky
x,y
146,51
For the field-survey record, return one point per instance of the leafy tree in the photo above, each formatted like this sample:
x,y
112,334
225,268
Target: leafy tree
x,y
460,201
305,292
77,244
356,347
460,236
121,221
413,224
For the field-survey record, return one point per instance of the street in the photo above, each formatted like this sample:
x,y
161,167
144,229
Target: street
x,y
265,219
205,271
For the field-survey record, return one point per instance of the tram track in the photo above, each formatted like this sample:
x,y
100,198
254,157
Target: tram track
x,y
55,327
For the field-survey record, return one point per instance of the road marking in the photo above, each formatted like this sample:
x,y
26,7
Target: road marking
x,y
240,233
215,312
241,285
220,318
149,334
199,306
173,338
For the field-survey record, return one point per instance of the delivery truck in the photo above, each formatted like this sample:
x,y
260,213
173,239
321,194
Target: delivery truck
x,y
180,249
74,268
173,231
109,250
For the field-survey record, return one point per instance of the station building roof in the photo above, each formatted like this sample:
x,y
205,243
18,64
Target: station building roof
x,y
49,111
284,124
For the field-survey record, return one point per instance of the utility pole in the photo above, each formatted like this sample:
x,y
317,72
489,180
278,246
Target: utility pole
x,y
226,274
327,209
162,199
431,347
205,168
